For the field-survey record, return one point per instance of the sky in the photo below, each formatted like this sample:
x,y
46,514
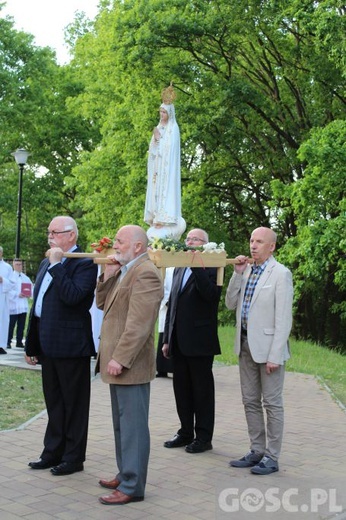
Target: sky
x,y
46,20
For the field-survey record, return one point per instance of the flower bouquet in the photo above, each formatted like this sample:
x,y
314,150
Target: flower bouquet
x,y
172,253
102,249
102,245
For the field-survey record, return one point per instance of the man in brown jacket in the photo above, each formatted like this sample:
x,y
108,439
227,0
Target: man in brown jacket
x,y
129,292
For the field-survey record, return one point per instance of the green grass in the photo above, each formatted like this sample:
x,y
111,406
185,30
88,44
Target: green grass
x,y
306,358
21,395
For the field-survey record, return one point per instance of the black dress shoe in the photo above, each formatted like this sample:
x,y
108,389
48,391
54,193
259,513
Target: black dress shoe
x,y
177,442
198,446
67,468
42,464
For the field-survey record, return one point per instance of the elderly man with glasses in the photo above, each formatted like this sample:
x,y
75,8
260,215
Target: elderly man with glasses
x,y
60,338
191,339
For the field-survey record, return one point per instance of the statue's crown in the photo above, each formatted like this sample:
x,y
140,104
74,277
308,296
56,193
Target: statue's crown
x,y
168,95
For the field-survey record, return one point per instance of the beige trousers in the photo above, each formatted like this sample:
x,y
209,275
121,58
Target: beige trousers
x,y
260,392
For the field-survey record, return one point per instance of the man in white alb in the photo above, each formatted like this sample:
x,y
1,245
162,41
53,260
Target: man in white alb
x,y
6,284
18,303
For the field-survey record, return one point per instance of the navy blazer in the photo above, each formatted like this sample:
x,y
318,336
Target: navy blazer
x,y
65,325
192,313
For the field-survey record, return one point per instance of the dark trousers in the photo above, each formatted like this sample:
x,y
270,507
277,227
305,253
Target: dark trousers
x,y
66,388
19,320
194,390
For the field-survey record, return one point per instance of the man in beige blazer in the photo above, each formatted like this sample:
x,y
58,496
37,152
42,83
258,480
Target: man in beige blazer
x,y
262,296
129,292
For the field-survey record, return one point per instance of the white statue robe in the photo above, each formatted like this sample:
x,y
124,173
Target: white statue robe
x,y
163,197
6,286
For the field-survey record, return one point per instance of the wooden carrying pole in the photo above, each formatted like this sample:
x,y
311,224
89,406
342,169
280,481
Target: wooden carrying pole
x,y
97,257
176,259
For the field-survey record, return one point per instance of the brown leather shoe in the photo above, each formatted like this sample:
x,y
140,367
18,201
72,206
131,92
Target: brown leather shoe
x,y
110,484
117,498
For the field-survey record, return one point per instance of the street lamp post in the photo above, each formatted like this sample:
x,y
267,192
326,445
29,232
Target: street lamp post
x,y
21,156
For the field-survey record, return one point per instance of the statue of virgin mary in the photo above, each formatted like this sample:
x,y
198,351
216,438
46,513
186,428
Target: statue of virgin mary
x,y
163,197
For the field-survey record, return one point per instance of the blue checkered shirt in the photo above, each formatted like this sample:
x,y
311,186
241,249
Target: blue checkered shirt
x,y
256,271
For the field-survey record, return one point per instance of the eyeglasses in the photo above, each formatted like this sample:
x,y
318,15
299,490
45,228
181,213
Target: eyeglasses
x,y
193,239
54,233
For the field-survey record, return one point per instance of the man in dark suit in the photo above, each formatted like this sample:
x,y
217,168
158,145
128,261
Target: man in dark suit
x,y
60,338
190,337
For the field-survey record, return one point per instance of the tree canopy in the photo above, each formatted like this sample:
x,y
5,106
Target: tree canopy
x,y
34,115
261,111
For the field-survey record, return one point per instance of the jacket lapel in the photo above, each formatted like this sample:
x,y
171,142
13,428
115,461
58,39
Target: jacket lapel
x,y
177,280
263,280
40,275
113,294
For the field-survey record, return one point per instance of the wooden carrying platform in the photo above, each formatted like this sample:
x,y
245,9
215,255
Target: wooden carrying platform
x,y
163,259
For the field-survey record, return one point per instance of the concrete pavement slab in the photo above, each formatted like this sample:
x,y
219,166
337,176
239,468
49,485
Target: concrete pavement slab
x,y
311,483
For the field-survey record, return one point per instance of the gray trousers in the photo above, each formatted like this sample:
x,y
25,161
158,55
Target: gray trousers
x,y
262,391
130,411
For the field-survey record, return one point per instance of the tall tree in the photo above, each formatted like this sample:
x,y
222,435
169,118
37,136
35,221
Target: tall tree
x,y
317,253
254,79
34,115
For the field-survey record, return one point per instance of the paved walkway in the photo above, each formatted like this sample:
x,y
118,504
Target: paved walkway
x,y
311,483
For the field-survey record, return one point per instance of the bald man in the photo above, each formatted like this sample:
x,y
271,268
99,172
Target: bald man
x,y
129,293
262,296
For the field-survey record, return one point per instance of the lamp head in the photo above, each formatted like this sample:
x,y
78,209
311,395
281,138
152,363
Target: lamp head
x,y
21,156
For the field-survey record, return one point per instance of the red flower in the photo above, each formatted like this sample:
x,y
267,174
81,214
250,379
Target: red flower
x,y
104,243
